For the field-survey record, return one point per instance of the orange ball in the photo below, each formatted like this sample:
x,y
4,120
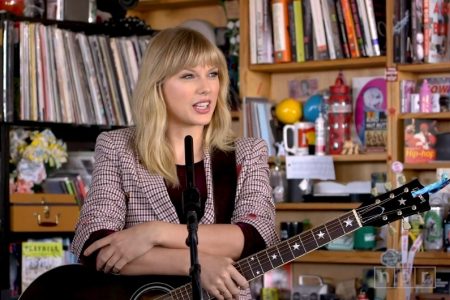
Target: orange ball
x,y
288,111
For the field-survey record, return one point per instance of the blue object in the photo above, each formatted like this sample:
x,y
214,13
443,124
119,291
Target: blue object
x,y
433,187
311,107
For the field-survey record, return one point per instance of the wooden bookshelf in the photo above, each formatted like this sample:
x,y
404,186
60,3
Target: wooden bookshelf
x,y
342,257
325,65
325,206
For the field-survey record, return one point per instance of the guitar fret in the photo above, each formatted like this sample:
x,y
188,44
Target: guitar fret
x,y
286,251
321,235
241,270
335,229
301,242
308,241
178,293
264,261
256,269
275,257
349,222
298,248
248,273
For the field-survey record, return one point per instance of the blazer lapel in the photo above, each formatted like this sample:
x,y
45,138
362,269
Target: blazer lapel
x,y
208,216
154,189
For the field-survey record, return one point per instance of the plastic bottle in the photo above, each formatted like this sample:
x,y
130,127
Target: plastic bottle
x,y
447,233
433,228
339,115
320,135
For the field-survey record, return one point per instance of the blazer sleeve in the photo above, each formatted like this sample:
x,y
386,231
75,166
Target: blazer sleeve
x,y
105,205
254,203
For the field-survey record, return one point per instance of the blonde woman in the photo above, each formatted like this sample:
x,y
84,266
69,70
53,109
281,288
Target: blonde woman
x,y
132,222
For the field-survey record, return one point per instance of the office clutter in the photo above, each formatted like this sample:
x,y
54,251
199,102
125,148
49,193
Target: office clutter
x,y
347,118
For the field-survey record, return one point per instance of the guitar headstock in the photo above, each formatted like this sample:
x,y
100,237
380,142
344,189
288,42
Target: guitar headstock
x,y
399,203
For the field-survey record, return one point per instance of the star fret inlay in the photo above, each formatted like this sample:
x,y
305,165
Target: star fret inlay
x,y
296,246
321,234
348,222
274,256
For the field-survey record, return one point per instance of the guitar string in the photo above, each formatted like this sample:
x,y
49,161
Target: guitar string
x,y
186,290
285,249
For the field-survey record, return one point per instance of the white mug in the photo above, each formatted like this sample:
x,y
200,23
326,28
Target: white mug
x,y
303,132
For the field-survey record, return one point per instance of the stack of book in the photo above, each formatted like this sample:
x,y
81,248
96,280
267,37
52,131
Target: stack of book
x,y
303,30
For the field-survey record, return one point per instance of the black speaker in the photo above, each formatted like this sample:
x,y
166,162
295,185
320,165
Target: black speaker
x,y
128,3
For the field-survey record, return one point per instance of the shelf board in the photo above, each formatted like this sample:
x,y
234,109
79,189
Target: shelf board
x,y
441,115
432,258
342,257
321,206
421,68
361,157
365,157
323,65
428,166
145,5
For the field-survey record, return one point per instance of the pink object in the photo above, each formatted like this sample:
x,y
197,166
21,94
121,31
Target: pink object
x,y
425,98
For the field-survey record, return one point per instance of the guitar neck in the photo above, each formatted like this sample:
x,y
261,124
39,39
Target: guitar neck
x,y
286,251
297,246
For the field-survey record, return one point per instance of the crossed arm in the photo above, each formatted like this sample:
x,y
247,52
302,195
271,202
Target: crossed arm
x,y
160,248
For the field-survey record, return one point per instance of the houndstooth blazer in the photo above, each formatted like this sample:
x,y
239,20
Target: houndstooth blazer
x,y
123,193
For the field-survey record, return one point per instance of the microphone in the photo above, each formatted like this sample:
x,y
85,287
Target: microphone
x,y
191,195
191,207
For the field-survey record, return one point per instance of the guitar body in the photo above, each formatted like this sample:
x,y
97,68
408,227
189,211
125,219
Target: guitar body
x,y
77,282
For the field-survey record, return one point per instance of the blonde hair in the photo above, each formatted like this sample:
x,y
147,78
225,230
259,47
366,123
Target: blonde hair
x,y
169,52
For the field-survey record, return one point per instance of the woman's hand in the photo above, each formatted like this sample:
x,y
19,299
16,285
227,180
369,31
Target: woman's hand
x,y
220,278
119,248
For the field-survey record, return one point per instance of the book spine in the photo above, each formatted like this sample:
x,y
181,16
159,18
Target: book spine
x,y
328,31
308,30
298,21
281,40
252,28
319,30
342,30
373,27
335,29
350,27
366,29
358,28
291,26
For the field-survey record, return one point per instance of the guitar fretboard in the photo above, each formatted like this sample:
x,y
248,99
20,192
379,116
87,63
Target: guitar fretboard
x,y
297,246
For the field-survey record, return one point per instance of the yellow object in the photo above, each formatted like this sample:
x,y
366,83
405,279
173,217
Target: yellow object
x,y
288,111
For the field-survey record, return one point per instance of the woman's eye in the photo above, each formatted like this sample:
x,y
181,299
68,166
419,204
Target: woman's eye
x,y
187,76
214,74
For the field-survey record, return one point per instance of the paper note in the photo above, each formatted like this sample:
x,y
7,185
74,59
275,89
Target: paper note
x,y
310,167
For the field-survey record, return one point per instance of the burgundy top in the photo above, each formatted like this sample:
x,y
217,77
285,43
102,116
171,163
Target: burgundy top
x,y
253,242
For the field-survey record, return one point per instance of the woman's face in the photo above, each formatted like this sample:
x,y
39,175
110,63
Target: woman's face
x,y
191,96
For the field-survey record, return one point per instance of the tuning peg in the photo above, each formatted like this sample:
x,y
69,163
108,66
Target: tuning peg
x,y
406,224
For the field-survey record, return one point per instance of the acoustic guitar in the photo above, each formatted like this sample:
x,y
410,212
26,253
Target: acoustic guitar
x,y
72,282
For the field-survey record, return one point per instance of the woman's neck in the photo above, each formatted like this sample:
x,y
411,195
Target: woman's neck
x,y
177,142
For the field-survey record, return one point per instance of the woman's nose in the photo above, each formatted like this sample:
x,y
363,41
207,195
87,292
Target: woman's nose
x,y
204,87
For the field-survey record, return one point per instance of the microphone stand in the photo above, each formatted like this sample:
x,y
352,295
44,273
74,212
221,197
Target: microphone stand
x,y
191,208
